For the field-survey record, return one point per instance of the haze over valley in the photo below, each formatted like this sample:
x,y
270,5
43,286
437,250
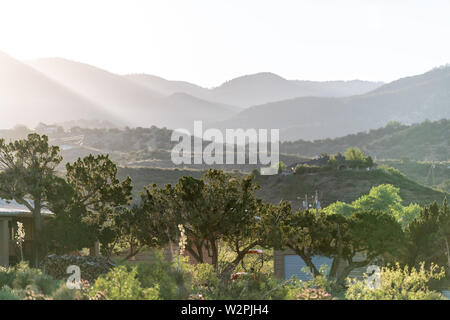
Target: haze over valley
x,y
56,90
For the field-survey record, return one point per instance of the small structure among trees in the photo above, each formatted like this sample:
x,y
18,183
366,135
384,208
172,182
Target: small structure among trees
x,y
11,215
353,158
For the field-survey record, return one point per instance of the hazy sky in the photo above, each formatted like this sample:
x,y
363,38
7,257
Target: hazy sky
x,y
210,41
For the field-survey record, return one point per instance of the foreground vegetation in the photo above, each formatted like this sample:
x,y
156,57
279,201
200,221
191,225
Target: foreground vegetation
x,y
202,230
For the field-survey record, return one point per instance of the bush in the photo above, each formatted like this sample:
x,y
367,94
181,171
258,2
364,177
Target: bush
x,y
22,282
313,294
204,279
257,286
121,284
7,294
305,168
318,288
398,283
24,276
6,277
64,293
171,281
391,171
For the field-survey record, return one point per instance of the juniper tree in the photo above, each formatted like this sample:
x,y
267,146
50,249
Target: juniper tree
x,y
28,177
101,195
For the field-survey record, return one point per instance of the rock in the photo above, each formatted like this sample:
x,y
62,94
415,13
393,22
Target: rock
x,y
91,267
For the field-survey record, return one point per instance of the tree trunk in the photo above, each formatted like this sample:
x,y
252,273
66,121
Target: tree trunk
x,y
94,251
337,260
37,224
351,266
308,261
226,272
215,254
448,252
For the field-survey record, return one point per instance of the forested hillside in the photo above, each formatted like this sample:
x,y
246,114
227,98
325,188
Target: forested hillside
x,y
424,141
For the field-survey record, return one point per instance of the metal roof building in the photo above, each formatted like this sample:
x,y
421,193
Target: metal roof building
x,y
10,213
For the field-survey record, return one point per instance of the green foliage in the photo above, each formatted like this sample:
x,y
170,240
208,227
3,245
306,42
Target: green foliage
x,y
121,284
372,234
398,283
161,273
281,166
307,234
429,236
318,288
391,170
204,279
384,197
23,282
305,168
7,276
64,293
417,142
354,154
408,214
6,293
251,287
333,163
27,176
101,196
445,185
340,208
375,233
356,158
60,239
217,208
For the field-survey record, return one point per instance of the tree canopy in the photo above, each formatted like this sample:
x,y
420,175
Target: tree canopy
x,y
27,176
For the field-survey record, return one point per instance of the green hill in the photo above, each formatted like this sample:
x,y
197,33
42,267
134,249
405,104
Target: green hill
x,y
345,185
425,141
433,174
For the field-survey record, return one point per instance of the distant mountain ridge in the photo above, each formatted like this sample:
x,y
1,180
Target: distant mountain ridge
x,y
56,90
408,100
27,94
138,104
144,100
258,88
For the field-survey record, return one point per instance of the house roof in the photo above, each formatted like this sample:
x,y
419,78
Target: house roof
x,y
13,209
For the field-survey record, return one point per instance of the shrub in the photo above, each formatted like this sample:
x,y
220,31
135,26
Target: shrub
x,y
339,207
22,282
392,171
24,276
7,294
318,288
121,284
251,287
46,284
305,168
6,277
31,281
313,294
172,282
397,283
64,293
204,279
